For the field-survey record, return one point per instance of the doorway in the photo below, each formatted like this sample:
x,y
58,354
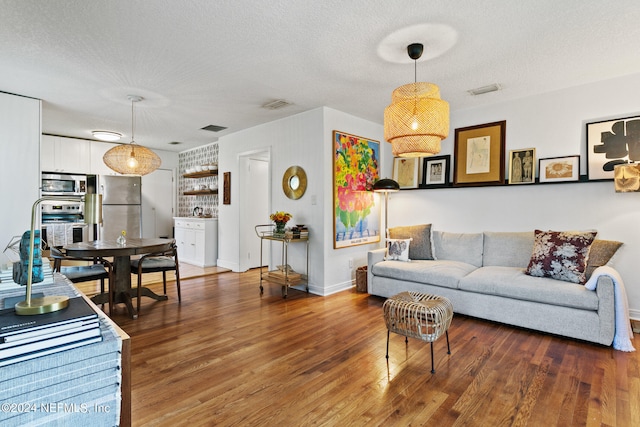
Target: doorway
x,y
255,193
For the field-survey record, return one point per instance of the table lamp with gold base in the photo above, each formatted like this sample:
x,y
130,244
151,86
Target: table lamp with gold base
x,y
52,303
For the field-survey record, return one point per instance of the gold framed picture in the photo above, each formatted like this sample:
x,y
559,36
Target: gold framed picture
x,y
522,166
479,155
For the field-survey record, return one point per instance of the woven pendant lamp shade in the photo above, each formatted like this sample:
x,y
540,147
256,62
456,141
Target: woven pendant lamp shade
x,y
131,159
417,120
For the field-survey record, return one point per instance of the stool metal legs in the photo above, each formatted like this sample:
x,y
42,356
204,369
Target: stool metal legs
x,y
406,340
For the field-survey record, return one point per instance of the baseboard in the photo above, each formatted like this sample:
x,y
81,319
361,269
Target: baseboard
x,y
233,266
635,314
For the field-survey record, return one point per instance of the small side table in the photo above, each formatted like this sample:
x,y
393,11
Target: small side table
x,y
418,315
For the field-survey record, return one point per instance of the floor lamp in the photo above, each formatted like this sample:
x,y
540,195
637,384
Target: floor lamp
x,y
386,186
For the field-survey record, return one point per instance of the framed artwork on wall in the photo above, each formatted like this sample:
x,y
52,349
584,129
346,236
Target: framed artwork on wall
x,y
559,169
610,143
522,166
356,219
479,155
405,171
435,171
226,188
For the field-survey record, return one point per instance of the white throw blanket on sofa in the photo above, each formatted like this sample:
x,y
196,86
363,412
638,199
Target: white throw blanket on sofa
x,y
624,333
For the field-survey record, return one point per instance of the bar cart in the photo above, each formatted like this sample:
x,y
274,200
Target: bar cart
x,y
283,275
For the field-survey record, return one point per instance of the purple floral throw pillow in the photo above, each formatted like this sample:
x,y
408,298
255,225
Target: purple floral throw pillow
x,y
561,255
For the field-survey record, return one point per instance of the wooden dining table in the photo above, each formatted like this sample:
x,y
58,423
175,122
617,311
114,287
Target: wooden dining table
x,y
121,265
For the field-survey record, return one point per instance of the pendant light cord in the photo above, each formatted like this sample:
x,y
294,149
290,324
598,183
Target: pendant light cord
x,y
133,122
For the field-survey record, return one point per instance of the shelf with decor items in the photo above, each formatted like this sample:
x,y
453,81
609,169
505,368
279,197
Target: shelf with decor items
x,y
201,174
200,192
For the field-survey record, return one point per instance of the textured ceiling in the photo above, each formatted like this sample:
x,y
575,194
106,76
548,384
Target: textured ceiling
x,y
203,62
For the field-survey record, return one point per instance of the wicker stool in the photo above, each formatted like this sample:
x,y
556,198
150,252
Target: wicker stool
x,y
417,315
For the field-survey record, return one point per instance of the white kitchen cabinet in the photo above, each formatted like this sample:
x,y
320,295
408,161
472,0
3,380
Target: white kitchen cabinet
x,y
97,164
197,240
67,155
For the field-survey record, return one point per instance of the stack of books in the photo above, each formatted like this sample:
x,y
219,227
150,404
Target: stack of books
x,y
300,232
27,337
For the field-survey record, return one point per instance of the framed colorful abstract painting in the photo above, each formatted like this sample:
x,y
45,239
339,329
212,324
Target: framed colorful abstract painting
x,y
355,169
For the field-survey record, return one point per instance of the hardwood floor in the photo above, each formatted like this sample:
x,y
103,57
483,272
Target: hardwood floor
x,y
228,356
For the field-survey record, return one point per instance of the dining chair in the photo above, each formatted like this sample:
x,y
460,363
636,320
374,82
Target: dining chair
x,y
157,262
100,269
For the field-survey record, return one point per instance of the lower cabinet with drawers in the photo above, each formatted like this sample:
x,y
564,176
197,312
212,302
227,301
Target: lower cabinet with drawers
x,y
197,240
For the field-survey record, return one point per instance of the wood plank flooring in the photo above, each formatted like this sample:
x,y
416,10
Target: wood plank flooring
x,y
227,356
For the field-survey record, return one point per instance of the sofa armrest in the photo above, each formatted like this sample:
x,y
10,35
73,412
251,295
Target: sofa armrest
x,y
606,309
373,257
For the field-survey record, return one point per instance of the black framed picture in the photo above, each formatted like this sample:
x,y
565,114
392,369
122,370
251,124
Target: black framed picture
x,y
610,143
435,171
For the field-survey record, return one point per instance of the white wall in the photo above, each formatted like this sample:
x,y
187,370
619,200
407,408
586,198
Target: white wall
x,y
295,140
338,274
19,164
304,140
554,124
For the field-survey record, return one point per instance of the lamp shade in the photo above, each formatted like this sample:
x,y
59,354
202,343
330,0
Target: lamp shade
x,y
417,120
132,159
386,185
626,178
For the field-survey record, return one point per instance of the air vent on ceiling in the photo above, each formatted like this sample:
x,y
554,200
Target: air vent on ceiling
x,y
274,105
214,128
485,89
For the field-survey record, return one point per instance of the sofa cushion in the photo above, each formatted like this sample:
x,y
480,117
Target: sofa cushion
x,y
398,249
512,282
561,255
600,254
463,247
441,273
507,249
420,247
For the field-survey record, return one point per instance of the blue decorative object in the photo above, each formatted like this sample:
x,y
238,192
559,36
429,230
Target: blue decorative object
x,y
21,268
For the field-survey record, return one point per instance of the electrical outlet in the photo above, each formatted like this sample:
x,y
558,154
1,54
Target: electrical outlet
x,y
350,262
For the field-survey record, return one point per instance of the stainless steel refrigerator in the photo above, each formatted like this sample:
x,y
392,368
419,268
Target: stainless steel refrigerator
x,y
121,206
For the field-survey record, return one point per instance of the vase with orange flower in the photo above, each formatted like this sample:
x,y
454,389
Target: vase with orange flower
x,y
280,218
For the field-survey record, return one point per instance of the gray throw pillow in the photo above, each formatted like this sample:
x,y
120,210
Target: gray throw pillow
x,y
420,247
600,253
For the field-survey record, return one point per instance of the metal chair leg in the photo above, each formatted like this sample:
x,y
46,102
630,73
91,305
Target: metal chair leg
x,y
388,332
433,371
448,347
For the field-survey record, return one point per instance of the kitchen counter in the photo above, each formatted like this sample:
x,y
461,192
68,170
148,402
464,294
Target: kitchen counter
x,y
192,218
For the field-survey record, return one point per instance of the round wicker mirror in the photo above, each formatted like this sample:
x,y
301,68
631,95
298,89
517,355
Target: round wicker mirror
x,y
294,182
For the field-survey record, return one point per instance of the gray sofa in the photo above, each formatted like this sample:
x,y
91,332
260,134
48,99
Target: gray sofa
x,y
483,275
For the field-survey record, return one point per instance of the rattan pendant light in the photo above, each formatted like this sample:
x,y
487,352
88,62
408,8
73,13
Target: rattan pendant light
x,y
132,159
417,119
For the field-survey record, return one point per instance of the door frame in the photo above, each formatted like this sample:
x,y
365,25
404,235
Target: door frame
x,y
246,231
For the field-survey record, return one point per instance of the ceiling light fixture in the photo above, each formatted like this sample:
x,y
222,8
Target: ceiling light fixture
x,y
106,135
417,119
132,159
485,89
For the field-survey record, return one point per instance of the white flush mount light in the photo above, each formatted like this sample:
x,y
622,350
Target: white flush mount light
x,y
105,135
485,89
